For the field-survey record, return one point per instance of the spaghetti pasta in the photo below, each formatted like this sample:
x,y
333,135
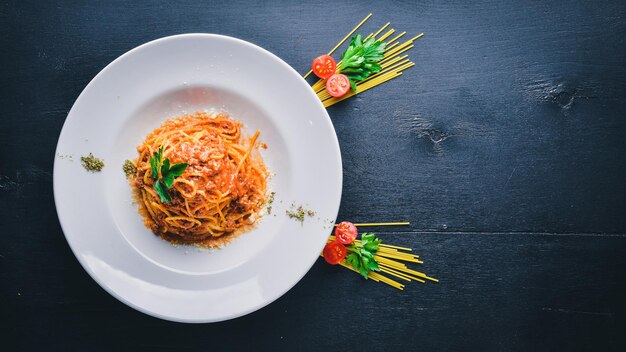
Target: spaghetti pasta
x,y
221,192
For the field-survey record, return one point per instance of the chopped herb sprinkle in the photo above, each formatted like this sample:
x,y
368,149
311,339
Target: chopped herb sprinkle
x,y
129,168
299,213
270,200
91,163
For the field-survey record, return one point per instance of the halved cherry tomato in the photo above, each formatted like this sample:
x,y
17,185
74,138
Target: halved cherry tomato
x,y
337,85
334,252
324,66
346,232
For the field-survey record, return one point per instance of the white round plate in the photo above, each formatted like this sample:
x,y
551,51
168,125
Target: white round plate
x,y
135,94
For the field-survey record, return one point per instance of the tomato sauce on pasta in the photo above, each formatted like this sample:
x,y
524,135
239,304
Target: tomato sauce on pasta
x,y
223,189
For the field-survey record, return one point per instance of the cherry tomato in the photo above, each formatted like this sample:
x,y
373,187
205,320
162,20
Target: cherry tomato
x,y
334,252
346,232
324,66
337,85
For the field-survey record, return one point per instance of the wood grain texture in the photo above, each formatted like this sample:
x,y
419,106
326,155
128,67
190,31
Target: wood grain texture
x,y
504,147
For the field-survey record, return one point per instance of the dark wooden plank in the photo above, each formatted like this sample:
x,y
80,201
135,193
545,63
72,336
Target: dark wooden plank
x,y
498,291
504,147
517,109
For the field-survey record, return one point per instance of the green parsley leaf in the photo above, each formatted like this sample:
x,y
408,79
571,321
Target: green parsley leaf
x,y
353,259
364,271
361,256
166,166
352,85
178,169
360,60
161,190
358,40
168,174
155,163
168,180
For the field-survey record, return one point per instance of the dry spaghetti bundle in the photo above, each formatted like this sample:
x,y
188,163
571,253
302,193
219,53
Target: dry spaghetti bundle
x,y
370,257
390,261
392,64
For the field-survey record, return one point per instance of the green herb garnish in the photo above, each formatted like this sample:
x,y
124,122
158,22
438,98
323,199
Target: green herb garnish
x,y
269,202
362,255
360,60
91,163
129,168
161,167
299,213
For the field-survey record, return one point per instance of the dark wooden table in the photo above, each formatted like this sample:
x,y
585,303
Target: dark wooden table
x,y
504,147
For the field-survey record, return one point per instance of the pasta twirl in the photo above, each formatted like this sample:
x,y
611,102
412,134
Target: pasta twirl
x,y
221,192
